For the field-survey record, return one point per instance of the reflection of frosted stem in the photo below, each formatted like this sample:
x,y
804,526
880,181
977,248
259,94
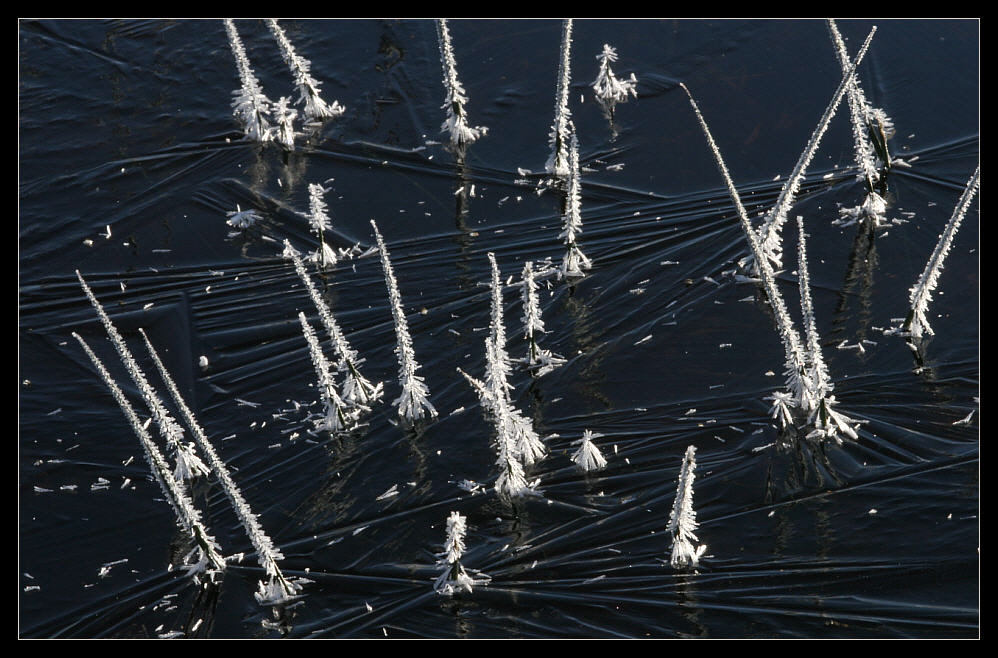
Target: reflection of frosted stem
x,y
188,517
267,554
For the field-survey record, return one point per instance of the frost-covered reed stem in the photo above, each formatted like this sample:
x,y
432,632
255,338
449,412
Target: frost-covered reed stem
x,y
917,323
575,263
796,363
683,520
250,105
526,443
189,465
308,87
858,112
413,404
318,219
356,388
454,578
267,554
284,116
608,89
769,233
558,161
337,415
539,360
455,100
817,370
187,516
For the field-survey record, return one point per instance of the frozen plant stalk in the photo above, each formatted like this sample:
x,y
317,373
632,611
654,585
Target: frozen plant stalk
x,y
454,578
356,388
318,218
540,360
916,324
278,588
250,105
683,520
337,415
308,87
413,404
575,263
588,457
206,549
456,124
285,116
189,465
609,90
769,233
557,163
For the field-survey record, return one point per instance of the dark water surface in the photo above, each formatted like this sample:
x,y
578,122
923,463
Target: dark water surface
x,y
128,124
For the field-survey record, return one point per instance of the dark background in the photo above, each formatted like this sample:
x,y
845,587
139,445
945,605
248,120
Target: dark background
x,y
128,124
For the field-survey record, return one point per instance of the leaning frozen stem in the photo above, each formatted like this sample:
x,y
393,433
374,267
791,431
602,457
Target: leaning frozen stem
x,y
337,416
558,163
916,323
278,586
249,105
455,101
316,109
205,555
413,404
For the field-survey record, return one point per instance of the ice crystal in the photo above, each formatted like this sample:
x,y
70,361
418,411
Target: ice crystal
x,y
308,87
413,404
249,105
242,219
610,90
280,588
558,161
588,457
337,416
456,124
454,578
205,556
683,520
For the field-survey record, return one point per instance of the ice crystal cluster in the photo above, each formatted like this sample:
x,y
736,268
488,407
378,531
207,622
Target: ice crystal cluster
x,y
683,520
454,577
608,88
414,402
337,416
250,105
588,456
455,101
558,161
284,118
315,108
916,324
277,588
